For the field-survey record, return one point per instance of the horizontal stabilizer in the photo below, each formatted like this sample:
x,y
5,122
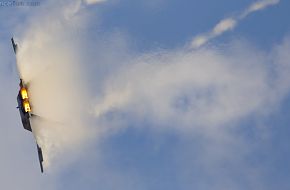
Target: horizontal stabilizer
x,y
40,157
14,45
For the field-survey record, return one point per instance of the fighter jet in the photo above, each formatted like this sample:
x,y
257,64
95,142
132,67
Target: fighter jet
x,y
25,108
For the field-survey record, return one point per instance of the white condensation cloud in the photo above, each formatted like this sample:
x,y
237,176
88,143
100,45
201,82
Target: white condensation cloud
x,y
204,88
229,24
205,95
49,61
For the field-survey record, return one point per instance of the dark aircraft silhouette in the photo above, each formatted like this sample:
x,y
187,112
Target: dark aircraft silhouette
x,y
25,109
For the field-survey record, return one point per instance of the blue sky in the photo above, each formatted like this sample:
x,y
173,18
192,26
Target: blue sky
x,y
140,108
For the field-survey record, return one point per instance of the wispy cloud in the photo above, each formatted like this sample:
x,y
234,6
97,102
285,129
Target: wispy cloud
x,y
203,94
230,23
191,89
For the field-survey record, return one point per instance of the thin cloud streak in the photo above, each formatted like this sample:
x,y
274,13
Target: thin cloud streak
x,y
230,23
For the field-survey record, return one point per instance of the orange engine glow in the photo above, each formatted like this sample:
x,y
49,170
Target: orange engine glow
x,y
26,106
24,93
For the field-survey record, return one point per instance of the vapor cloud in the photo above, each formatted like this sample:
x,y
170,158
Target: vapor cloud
x,y
230,23
48,61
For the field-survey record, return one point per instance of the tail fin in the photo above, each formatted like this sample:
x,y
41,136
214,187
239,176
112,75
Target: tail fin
x,y
14,45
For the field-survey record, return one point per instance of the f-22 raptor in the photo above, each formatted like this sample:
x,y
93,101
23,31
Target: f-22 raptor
x,y
25,109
